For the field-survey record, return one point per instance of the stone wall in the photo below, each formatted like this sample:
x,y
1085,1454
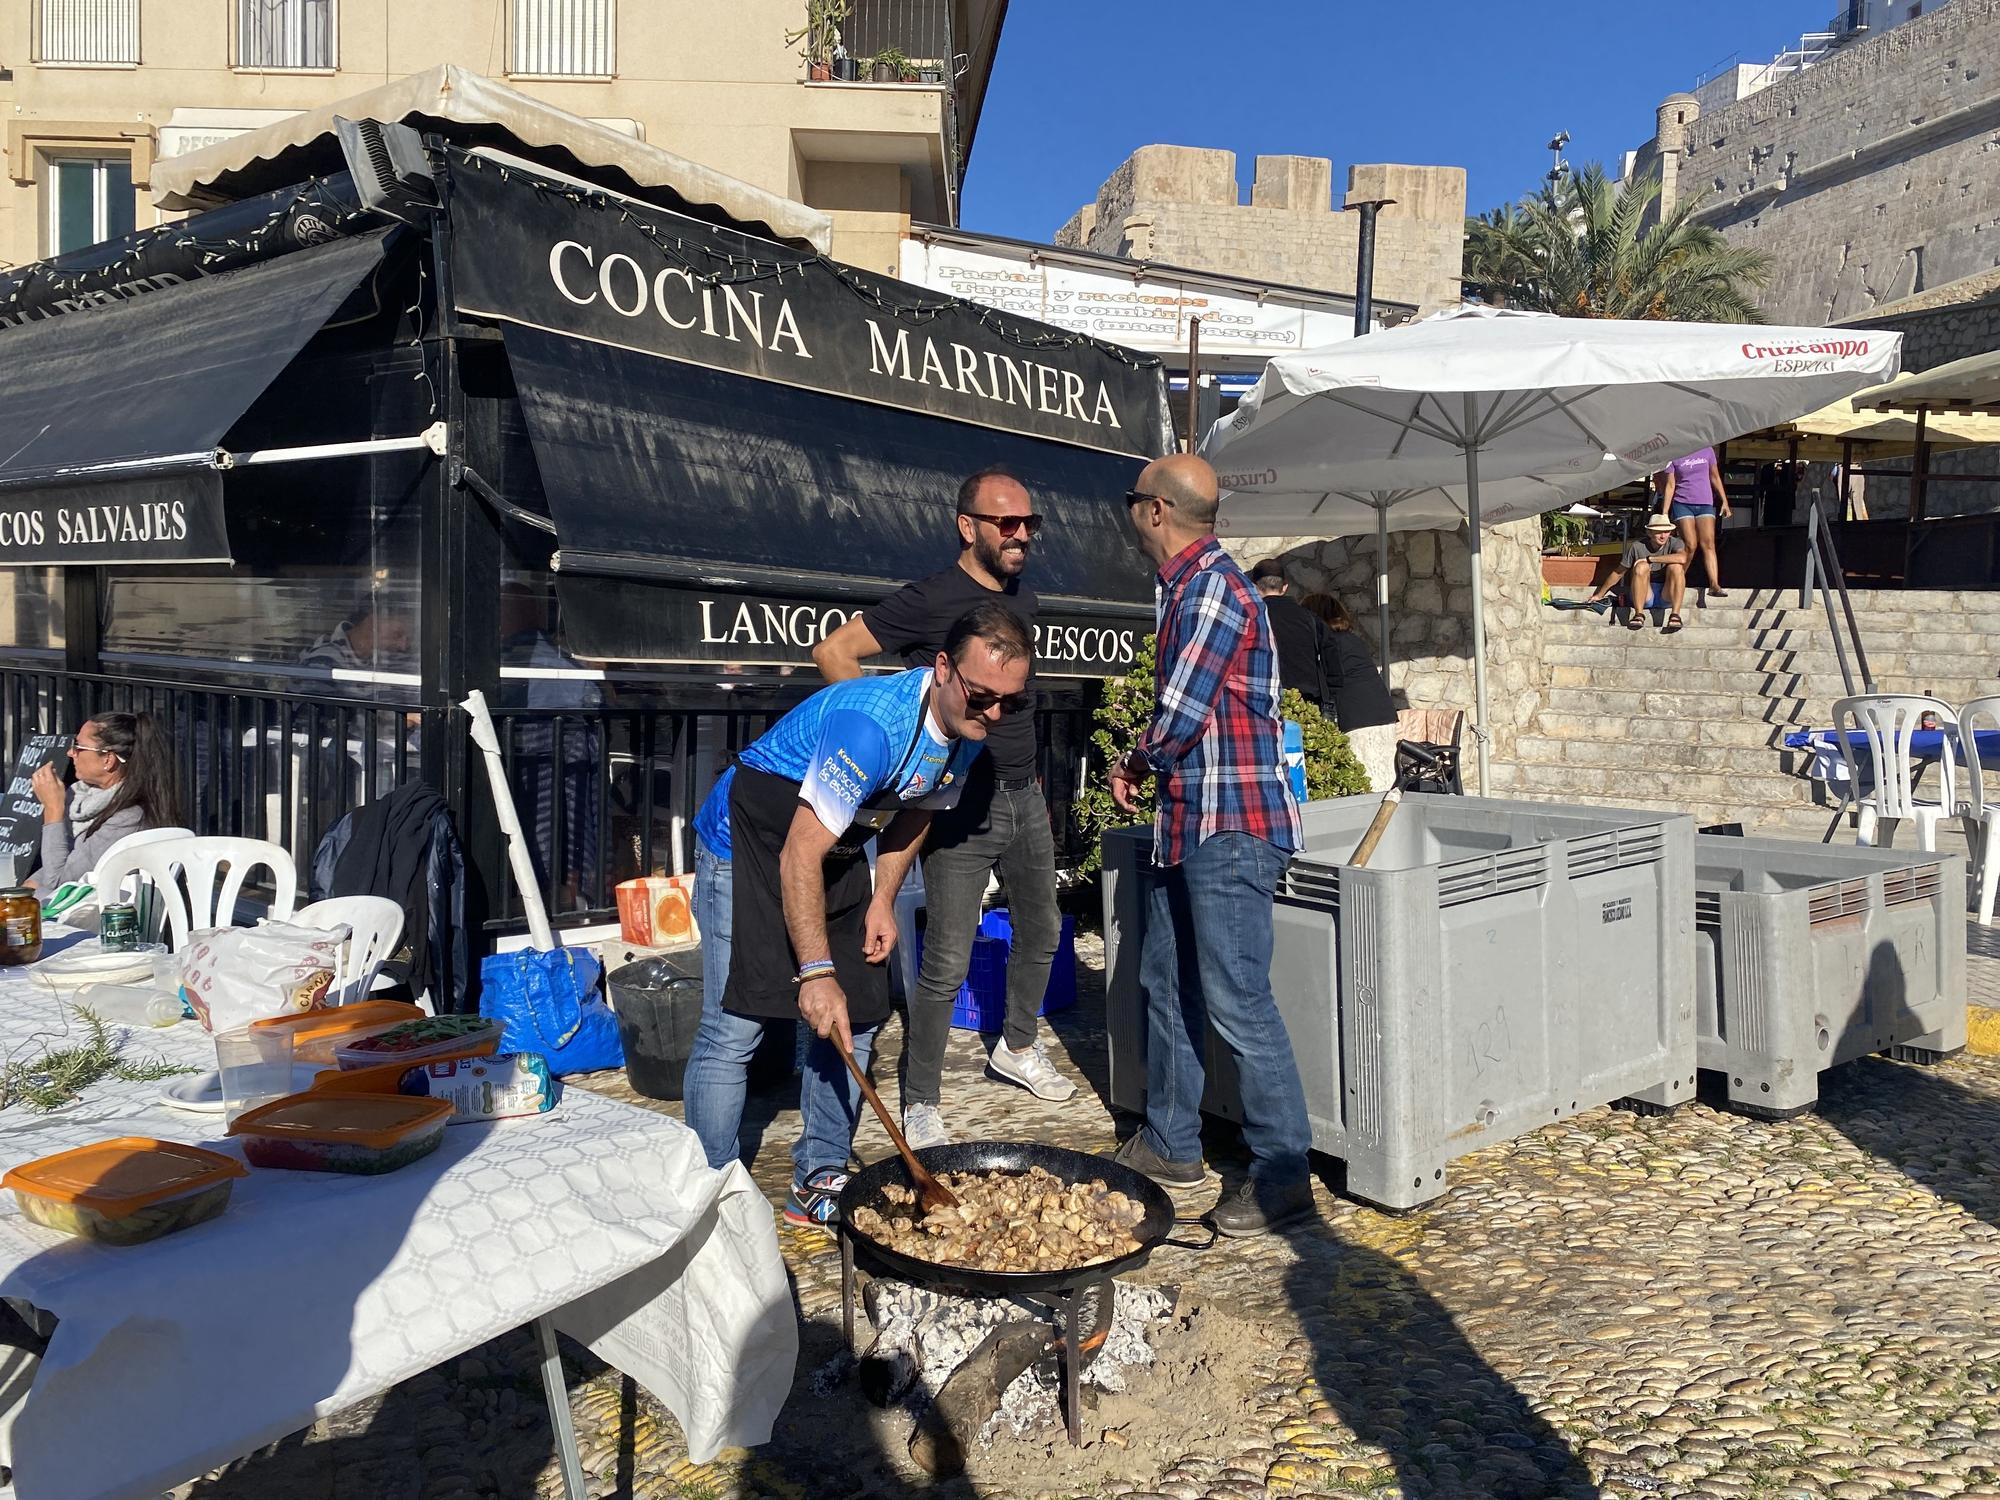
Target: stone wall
x,y
1181,205
1430,614
1868,177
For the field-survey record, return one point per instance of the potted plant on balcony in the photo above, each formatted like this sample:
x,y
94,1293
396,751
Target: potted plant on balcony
x,y
889,66
820,36
1566,561
845,68
930,72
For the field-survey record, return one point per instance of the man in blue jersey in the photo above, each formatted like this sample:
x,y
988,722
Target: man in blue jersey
x,y
791,924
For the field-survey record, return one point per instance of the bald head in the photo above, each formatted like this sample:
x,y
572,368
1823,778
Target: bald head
x,y
1187,483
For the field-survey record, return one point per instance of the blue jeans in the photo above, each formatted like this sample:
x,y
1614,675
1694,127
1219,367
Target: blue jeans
x,y
1207,961
718,1069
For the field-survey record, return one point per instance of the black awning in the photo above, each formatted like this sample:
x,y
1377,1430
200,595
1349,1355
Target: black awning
x,y
666,472
109,418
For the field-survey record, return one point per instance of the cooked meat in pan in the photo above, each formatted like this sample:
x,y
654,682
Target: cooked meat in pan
x,y
1010,1221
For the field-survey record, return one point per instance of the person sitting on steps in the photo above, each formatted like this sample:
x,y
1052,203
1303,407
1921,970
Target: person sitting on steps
x,y
1661,553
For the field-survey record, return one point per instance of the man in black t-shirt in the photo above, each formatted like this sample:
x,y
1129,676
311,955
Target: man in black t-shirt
x,y
1001,821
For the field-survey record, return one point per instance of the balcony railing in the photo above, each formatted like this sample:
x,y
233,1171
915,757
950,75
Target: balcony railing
x,y
104,32
919,29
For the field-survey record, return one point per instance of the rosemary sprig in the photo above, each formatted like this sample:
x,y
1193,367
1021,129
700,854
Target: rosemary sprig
x,y
60,1076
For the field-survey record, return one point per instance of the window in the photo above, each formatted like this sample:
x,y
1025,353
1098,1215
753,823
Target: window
x,y
563,39
286,34
101,32
90,200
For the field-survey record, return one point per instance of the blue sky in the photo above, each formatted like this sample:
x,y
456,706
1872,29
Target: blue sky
x,y
1080,83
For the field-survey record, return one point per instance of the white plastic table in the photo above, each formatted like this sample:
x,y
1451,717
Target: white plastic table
x,y
315,1291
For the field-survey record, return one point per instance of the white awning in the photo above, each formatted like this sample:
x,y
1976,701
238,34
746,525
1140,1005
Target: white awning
x,y
473,110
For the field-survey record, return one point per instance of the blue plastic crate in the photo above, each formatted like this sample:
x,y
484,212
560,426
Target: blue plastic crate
x,y
981,1002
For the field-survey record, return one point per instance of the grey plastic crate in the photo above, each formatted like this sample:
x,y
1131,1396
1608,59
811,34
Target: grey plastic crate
x,y
1497,965
1811,955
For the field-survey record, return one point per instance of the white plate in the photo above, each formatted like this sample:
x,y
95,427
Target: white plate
x,y
200,1093
90,964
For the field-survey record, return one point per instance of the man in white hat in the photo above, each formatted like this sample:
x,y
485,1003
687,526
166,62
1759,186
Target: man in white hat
x,y
1660,554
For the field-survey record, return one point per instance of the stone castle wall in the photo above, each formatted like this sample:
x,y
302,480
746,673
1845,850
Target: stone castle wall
x,y
1868,177
1181,205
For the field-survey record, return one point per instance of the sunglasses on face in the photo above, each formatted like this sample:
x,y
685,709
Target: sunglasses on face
x,y
1009,525
1140,497
979,700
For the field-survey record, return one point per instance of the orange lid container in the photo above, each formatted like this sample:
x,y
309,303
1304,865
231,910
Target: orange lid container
x,y
118,1178
374,1121
338,1022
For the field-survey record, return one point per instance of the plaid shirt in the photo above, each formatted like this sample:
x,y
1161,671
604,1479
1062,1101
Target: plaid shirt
x,y
1215,740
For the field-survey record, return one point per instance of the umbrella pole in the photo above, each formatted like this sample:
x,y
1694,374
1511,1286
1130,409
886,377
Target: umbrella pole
x,y
1382,585
1472,537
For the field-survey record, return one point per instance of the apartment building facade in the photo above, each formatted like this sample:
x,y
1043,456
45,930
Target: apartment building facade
x,y
94,93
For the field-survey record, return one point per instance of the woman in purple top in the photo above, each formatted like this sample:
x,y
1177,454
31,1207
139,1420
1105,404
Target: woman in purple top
x,y
1692,499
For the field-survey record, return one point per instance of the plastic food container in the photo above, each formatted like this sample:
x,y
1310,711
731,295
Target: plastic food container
x,y
362,1133
479,1086
317,1033
422,1039
124,1192
89,963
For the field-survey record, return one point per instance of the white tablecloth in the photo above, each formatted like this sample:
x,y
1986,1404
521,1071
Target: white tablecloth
x,y
315,1290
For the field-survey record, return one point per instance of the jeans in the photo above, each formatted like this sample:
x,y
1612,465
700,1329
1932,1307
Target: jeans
x,y
718,1069
1207,961
1014,835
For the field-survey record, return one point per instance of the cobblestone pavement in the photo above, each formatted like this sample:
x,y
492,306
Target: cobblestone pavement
x,y
1689,1305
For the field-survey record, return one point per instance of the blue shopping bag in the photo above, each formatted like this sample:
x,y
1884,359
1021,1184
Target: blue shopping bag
x,y
1295,760
548,1003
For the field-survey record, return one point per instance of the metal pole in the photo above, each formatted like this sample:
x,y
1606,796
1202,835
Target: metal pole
x,y
557,1392
1919,470
1192,439
1480,719
1846,479
1382,586
1364,267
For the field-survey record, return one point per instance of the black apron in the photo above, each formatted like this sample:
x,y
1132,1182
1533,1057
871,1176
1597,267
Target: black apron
x,y
762,965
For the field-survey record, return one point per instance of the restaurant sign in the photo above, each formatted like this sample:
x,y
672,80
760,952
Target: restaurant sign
x,y
163,518
620,272
615,620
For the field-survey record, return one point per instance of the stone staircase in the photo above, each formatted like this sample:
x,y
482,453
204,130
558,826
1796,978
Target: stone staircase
x,y
1695,722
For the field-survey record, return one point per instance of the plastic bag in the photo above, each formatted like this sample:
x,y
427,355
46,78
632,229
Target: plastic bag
x,y
235,975
1295,760
548,1002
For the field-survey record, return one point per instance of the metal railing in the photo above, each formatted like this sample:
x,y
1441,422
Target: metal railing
x,y
603,795
282,34
919,29
87,31
1824,572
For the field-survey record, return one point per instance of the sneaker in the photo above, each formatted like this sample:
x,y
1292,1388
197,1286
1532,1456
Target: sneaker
x,y
815,1202
1031,1068
1248,1211
1140,1157
923,1125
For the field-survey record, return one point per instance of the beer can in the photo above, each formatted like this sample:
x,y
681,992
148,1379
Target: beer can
x,y
118,927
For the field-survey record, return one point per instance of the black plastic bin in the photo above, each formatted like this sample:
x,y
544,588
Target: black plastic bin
x,y
659,1012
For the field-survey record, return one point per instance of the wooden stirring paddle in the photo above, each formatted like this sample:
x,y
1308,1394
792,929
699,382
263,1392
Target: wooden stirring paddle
x,y
930,1192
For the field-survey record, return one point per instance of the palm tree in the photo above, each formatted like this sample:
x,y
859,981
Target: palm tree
x,y
1503,255
1594,257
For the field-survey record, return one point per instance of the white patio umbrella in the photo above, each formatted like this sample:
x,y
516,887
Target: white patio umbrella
x,y
1337,441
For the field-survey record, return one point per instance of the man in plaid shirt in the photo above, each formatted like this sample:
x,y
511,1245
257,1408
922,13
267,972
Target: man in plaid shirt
x,y
1225,827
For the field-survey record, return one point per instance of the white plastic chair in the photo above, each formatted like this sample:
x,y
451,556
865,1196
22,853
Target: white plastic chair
x,y
374,925
199,892
1980,817
117,877
1886,721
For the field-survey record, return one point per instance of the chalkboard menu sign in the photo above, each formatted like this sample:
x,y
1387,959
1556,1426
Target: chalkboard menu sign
x,y
21,810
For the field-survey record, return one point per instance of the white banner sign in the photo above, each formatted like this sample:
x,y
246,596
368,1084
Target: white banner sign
x,y
1150,313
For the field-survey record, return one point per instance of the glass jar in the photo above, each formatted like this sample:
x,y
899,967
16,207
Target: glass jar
x,y
20,925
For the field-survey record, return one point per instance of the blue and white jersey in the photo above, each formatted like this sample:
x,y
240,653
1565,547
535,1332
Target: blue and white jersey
x,y
861,751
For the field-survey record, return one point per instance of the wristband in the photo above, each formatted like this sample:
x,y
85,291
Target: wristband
x,y
818,968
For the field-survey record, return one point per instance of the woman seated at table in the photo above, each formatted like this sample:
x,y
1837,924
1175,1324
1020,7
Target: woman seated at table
x,y
124,782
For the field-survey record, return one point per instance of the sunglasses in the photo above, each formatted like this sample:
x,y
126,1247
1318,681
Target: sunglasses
x,y
1008,525
1140,497
979,700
